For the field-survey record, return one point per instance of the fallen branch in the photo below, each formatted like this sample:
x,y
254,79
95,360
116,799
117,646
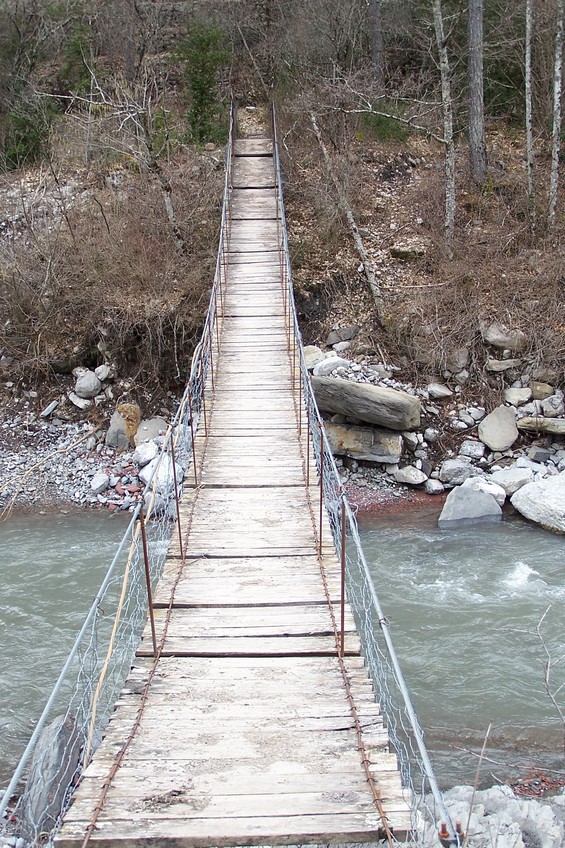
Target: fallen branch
x,y
345,208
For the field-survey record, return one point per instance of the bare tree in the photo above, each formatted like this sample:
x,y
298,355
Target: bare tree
x,y
530,158
447,108
477,144
557,116
377,49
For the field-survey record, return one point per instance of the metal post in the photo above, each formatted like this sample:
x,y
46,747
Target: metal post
x,y
343,563
300,404
321,490
308,444
211,350
148,580
176,494
192,438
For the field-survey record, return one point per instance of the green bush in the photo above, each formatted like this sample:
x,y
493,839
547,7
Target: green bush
x,y
381,128
27,132
205,55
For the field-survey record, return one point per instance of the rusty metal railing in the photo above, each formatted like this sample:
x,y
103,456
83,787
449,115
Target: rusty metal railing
x,y
403,726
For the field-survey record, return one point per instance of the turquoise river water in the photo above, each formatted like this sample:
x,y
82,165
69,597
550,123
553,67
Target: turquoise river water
x,y
464,608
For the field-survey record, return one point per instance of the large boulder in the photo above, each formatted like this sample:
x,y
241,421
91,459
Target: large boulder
x,y
489,487
498,430
116,437
543,502
150,428
331,363
367,443
464,506
88,385
378,405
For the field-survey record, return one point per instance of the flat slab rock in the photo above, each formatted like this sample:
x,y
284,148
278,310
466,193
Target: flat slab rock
x,y
367,443
378,405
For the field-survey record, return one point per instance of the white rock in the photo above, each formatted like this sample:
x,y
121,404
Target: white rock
x,y
475,450
144,453
80,403
543,502
88,385
513,478
99,483
498,430
410,476
313,355
437,391
484,484
164,479
102,372
517,397
465,506
326,366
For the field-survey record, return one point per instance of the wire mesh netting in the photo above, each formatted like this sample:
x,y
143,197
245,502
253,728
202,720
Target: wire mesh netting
x,y
71,725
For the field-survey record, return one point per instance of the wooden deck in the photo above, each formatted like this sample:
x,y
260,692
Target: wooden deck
x,y
247,734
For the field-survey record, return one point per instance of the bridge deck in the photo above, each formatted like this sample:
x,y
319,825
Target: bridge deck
x,y
246,734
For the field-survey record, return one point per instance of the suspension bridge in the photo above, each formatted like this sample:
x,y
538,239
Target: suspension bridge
x,y
250,714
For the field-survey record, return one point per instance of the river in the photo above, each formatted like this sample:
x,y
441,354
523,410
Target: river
x,y
464,607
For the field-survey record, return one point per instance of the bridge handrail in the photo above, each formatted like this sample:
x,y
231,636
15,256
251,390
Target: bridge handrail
x,y
87,669
370,619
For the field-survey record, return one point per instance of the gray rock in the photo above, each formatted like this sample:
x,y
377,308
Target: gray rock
x,y
331,363
116,436
502,337
79,402
88,385
475,450
453,472
543,502
341,334
496,365
99,483
540,391
144,453
461,377
341,346
539,454
367,443
437,391
313,355
458,359
378,405
513,478
53,765
431,435
103,372
434,487
553,406
517,397
488,486
51,407
150,428
410,440
410,476
498,430
410,248
465,506
536,424
477,413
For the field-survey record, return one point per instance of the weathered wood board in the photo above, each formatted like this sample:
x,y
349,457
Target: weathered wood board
x,y
247,734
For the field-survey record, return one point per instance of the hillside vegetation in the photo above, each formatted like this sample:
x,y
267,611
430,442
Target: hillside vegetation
x,y
112,121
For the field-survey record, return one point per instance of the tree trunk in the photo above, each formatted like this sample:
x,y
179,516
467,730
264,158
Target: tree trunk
x,y
377,50
557,115
477,145
354,229
529,120
447,107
